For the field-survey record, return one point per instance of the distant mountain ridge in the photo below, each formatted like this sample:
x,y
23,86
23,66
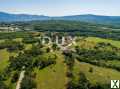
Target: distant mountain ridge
x,y
6,17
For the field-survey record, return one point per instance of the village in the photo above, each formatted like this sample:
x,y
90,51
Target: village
x,y
9,29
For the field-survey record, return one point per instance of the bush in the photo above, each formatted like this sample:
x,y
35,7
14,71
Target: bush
x,y
28,83
3,86
91,69
15,77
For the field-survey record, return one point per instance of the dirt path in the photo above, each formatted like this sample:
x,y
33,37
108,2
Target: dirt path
x,y
20,79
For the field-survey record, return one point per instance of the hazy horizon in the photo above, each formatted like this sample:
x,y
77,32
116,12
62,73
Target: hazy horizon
x,y
61,7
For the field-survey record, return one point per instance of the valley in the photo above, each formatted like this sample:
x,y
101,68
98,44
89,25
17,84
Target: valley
x,y
91,63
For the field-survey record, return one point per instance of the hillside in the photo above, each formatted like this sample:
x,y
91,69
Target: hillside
x,y
96,61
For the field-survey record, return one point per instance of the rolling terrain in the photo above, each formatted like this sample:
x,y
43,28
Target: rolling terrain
x,y
90,63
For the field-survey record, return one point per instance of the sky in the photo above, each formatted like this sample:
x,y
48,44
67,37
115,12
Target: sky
x,y
61,7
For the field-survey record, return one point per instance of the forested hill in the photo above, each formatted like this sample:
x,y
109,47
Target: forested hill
x,y
6,17
93,19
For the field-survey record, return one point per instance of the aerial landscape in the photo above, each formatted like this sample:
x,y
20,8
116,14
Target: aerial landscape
x,y
59,44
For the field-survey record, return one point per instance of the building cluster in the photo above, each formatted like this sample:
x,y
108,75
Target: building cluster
x,y
9,29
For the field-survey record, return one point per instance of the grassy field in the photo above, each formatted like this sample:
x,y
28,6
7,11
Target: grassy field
x,y
114,63
18,39
4,56
52,77
99,74
96,40
28,46
2,41
90,42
